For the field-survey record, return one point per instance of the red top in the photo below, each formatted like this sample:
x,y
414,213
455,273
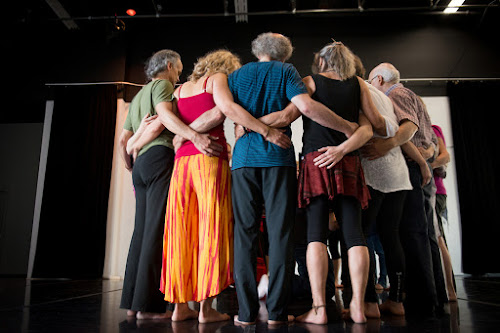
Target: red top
x,y
191,108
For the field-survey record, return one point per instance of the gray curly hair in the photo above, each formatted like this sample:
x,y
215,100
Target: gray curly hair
x,y
159,61
276,46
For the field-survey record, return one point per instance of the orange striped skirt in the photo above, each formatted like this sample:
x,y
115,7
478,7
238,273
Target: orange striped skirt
x,y
198,238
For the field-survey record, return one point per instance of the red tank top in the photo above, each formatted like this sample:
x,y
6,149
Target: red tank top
x,y
190,108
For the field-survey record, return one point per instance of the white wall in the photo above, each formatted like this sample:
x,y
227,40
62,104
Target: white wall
x,y
439,110
121,208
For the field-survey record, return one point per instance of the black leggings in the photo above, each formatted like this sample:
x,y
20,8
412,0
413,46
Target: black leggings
x,y
347,211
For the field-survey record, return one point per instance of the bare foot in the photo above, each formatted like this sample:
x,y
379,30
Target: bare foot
x,y
357,312
392,307
212,316
131,313
184,313
314,316
371,310
152,315
279,322
238,322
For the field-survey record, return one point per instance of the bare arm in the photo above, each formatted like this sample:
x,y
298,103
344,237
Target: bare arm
x,y
378,147
282,118
204,123
413,153
370,110
132,147
320,113
444,156
333,154
224,100
428,152
208,120
124,137
203,142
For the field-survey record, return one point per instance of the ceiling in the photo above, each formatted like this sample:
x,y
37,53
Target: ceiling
x,y
75,14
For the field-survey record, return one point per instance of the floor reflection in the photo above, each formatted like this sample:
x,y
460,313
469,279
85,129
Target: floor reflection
x,y
93,306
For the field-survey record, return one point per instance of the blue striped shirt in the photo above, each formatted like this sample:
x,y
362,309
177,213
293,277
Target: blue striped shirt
x,y
262,88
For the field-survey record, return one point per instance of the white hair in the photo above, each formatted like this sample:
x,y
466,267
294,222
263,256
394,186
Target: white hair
x,y
388,72
276,46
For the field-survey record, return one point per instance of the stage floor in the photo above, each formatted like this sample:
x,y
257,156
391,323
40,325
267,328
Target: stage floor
x,y
93,306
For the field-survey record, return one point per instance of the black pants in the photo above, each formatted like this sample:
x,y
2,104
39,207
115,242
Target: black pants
x,y
420,288
385,211
276,187
151,176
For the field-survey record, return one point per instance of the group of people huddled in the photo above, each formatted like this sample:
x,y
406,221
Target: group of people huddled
x,y
368,153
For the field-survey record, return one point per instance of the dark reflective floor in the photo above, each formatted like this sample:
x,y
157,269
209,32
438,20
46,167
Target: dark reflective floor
x,y
92,306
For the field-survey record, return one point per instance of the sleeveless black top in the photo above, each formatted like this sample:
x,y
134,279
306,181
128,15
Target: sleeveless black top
x,y
343,98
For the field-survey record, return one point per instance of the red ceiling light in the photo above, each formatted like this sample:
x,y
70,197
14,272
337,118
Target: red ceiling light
x,y
131,12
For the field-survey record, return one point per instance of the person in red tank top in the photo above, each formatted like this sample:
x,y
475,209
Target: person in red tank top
x,y
198,238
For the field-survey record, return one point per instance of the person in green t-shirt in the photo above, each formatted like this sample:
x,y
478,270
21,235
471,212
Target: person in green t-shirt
x,y
151,167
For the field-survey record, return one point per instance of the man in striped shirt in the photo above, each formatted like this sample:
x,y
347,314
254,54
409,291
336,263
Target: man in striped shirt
x,y
265,174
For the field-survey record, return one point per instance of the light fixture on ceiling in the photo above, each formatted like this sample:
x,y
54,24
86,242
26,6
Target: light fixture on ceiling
x,y
453,6
131,12
119,25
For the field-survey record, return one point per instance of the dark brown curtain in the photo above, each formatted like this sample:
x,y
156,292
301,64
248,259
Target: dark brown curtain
x,y
72,234
474,113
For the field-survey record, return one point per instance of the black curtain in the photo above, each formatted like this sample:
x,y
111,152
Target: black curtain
x,y
474,112
72,234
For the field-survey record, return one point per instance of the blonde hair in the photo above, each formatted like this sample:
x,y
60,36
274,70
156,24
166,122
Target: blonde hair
x,y
338,58
218,61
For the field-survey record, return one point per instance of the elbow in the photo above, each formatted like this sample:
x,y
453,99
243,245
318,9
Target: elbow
x,y
447,158
307,109
219,117
123,141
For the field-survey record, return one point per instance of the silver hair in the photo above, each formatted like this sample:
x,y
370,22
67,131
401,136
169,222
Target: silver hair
x,y
276,46
388,72
159,61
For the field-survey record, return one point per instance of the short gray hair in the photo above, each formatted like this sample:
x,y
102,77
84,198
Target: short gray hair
x,y
159,61
388,72
276,46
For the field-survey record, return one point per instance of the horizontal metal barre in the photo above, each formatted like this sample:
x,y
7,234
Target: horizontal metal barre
x,y
434,10
404,80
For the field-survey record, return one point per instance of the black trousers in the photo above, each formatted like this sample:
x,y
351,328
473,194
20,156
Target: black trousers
x,y
276,188
385,211
151,176
421,294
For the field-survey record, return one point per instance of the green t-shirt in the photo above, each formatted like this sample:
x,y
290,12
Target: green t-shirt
x,y
144,102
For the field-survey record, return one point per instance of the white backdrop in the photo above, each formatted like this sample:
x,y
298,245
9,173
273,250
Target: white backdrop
x,y
121,208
